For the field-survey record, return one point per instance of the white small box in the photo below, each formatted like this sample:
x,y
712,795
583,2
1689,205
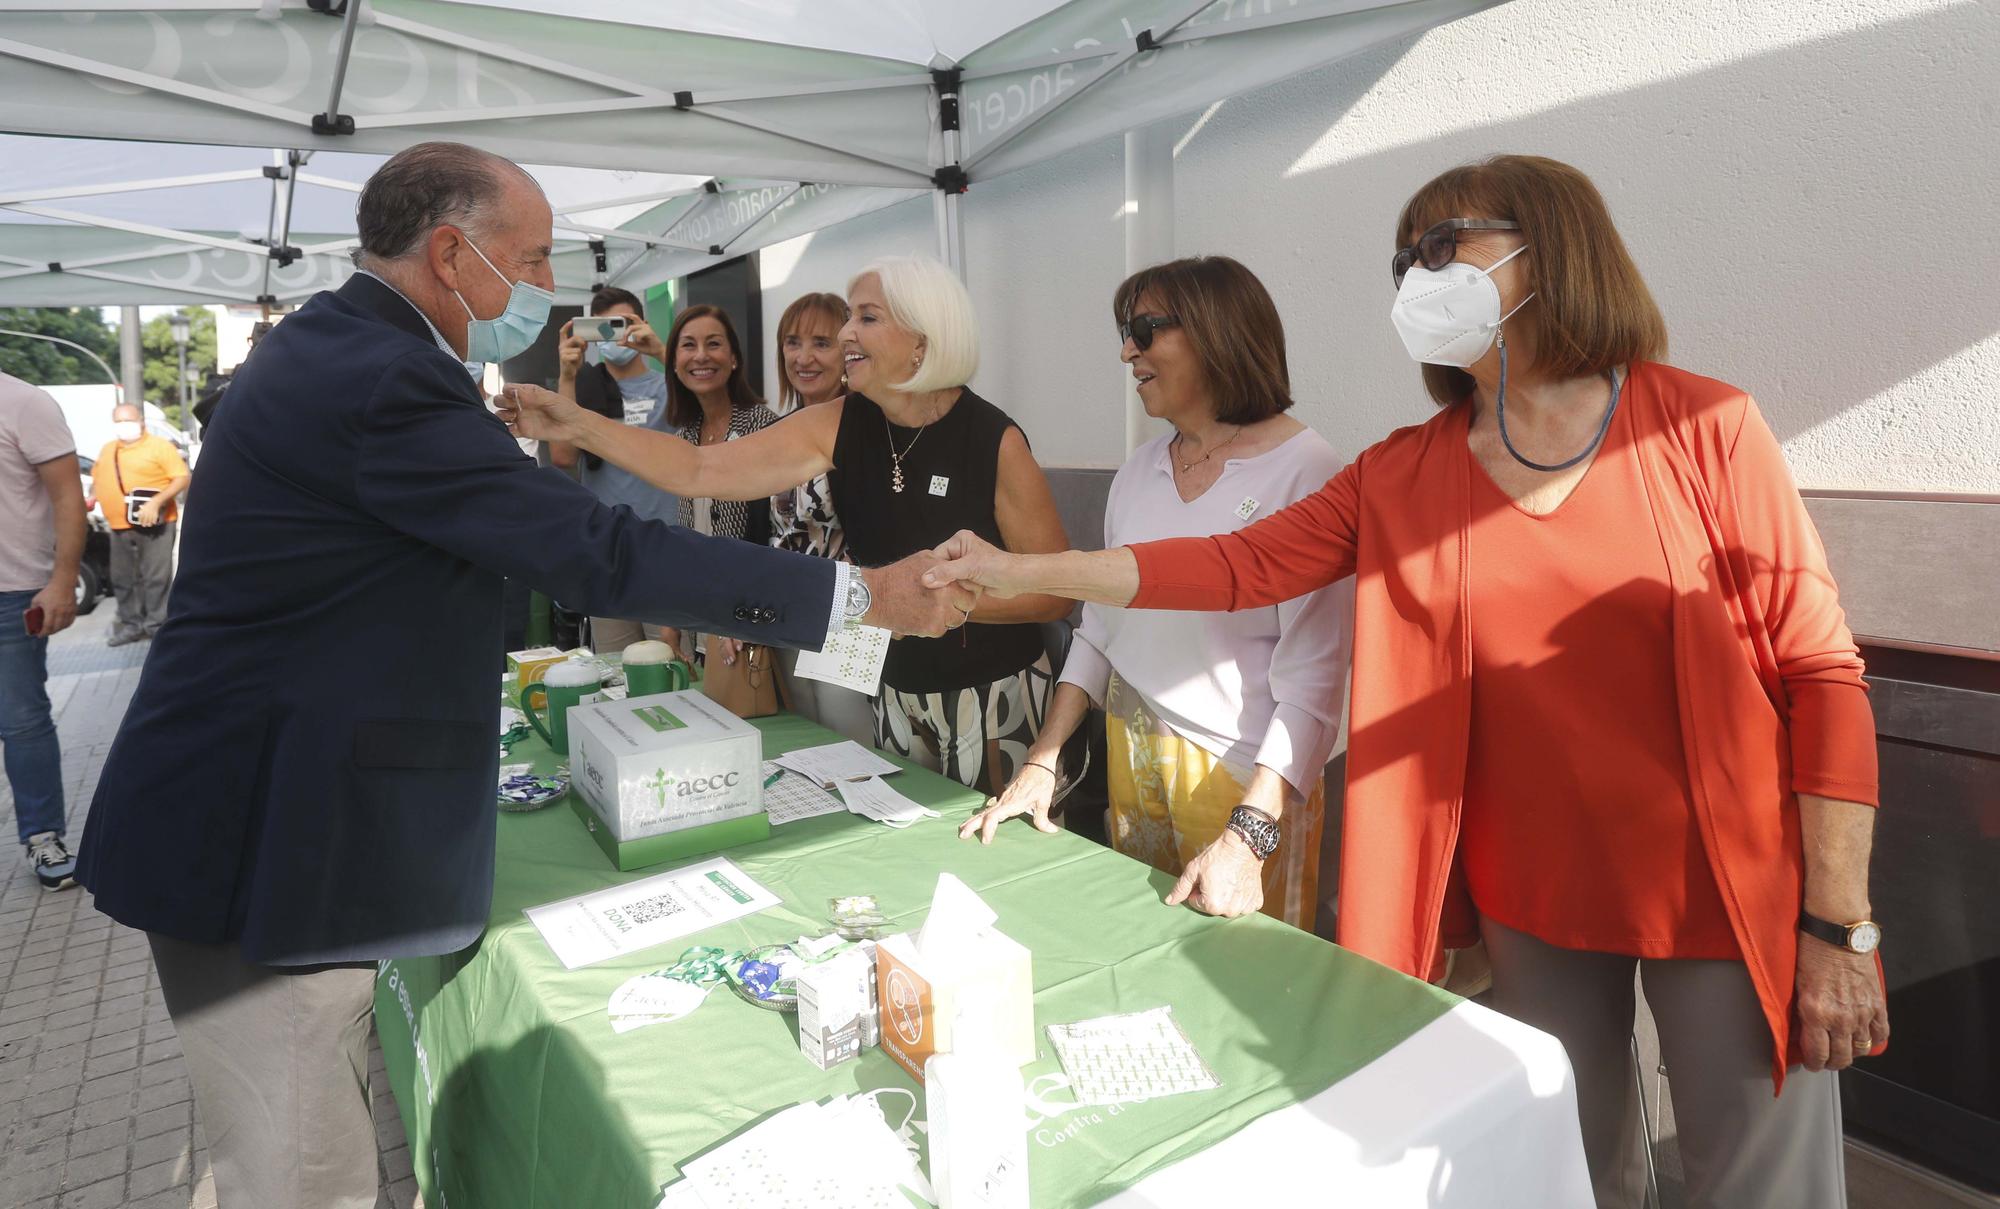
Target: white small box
x,y
835,1005
665,762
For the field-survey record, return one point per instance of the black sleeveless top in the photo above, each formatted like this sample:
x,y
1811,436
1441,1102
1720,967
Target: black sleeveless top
x,y
950,471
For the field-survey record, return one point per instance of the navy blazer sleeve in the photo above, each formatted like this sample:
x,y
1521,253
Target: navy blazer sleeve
x,y
436,465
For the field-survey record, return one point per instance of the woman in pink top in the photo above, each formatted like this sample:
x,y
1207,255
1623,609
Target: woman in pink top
x,y
1210,715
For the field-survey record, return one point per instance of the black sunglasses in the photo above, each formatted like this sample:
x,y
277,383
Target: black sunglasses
x,y
1139,329
1438,246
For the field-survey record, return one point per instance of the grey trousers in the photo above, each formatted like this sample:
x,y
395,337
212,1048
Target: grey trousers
x,y
611,635
843,711
142,569
1740,1147
279,1064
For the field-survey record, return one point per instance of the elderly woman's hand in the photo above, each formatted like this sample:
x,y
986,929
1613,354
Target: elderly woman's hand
x,y
1842,1011
1223,879
531,411
1030,792
977,563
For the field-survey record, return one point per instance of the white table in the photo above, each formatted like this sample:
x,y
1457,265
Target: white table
x,y
1474,1110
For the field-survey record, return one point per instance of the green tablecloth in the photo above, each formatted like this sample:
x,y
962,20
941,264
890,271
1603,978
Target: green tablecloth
x,y
516,1092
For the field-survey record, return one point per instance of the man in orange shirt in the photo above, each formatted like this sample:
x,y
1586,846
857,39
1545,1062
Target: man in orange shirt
x,y
137,479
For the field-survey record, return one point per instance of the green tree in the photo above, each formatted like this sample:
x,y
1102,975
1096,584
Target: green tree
x,y
46,364
163,364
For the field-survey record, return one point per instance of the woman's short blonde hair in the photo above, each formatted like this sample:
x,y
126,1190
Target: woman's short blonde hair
x,y
927,298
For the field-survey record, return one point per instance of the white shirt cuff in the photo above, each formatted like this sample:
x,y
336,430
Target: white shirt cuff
x,y
1296,747
1087,668
837,620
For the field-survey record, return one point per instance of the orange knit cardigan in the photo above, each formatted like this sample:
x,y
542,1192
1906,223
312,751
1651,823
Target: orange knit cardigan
x,y
1769,681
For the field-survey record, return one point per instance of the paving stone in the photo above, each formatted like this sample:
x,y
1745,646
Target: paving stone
x,y
88,1169
105,1111
105,1194
158,1177
175,1144
150,1123
161,1095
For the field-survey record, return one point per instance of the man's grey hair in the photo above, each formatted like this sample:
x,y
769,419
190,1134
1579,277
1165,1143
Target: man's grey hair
x,y
424,187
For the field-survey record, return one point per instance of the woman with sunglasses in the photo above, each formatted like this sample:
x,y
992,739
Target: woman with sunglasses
x,y
1206,712
1607,712
912,455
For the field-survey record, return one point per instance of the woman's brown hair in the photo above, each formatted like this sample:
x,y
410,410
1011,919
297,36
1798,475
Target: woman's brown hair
x,y
1232,325
1591,310
829,308
683,408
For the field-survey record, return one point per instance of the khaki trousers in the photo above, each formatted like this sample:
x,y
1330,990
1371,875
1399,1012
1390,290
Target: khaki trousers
x,y
1740,1147
279,1063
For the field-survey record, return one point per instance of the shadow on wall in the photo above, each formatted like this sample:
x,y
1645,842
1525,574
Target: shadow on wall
x,y
1806,217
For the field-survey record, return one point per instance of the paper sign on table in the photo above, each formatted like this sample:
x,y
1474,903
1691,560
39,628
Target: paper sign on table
x,y
1123,1059
852,658
836,762
792,797
637,915
871,798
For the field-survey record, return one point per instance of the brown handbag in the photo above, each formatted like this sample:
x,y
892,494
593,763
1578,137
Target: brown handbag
x,y
749,688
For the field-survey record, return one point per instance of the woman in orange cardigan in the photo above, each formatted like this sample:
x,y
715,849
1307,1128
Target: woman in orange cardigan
x,y
1606,710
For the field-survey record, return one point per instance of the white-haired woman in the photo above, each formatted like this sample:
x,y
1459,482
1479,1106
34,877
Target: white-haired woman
x,y
912,456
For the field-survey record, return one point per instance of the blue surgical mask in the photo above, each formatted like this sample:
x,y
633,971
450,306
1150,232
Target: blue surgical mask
x,y
615,353
511,332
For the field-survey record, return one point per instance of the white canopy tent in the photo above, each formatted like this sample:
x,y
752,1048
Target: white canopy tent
x,y
689,132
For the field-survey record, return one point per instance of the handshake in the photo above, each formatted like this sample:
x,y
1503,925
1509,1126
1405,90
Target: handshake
x,y
935,591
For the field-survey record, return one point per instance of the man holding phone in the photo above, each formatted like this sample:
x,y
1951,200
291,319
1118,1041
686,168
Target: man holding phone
x,y
41,546
623,386
139,478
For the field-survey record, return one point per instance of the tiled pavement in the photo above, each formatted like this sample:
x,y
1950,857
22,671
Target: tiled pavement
x,y
95,1108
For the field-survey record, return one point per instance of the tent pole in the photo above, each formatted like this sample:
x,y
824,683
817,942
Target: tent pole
x,y
949,181
1149,236
332,122
132,359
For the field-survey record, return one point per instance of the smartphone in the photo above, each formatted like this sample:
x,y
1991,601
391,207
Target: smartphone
x,y
32,619
598,327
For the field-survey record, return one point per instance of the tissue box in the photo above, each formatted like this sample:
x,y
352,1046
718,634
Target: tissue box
x,y
835,1008
920,998
665,776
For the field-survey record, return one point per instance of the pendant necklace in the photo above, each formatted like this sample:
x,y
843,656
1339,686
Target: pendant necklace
x,y
896,459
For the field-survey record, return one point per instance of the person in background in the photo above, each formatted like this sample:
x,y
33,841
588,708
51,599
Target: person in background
x,y
803,519
1210,715
1607,711
709,402
625,387
41,547
142,550
913,454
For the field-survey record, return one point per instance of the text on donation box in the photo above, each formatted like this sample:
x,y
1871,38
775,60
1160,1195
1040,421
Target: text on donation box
x,y
666,762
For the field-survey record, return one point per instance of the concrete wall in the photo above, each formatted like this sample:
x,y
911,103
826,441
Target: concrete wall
x,y
1813,191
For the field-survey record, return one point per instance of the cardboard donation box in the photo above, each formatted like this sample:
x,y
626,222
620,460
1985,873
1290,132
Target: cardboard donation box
x,y
926,978
666,776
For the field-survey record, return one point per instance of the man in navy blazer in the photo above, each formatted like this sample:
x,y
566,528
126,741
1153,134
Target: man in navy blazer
x,y
304,782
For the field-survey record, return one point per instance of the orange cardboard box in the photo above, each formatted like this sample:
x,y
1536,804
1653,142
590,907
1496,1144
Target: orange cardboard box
x,y
920,997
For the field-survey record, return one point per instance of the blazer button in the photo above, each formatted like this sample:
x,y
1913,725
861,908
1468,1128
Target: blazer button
x,y
743,612
767,615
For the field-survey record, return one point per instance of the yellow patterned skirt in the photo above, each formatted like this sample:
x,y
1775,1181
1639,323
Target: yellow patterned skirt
x,y
1170,799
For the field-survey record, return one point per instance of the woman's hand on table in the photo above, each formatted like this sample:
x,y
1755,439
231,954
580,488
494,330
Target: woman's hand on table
x,y
1031,792
1223,879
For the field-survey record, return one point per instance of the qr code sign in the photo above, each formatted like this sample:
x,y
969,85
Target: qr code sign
x,y
653,909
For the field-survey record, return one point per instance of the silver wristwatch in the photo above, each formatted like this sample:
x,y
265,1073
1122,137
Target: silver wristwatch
x,y
859,598
1258,831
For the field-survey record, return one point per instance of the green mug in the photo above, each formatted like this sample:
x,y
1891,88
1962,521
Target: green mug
x,y
570,683
650,667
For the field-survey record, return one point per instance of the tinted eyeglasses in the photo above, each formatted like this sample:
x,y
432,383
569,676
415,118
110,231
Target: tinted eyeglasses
x,y
1139,329
1438,246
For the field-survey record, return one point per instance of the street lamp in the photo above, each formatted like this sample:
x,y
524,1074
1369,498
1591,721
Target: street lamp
x,y
178,324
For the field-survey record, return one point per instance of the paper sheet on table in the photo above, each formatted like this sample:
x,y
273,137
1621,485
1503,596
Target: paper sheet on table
x,y
852,658
871,798
1125,1059
637,915
833,763
841,1153
792,797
